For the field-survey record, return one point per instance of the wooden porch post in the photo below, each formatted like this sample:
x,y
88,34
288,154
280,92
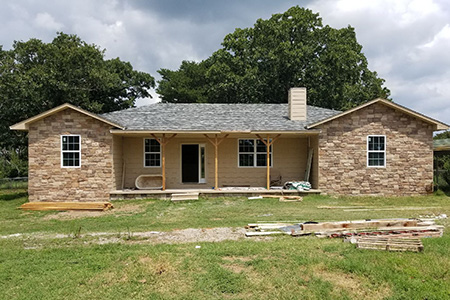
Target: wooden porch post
x,y
268,143
163,142
216,144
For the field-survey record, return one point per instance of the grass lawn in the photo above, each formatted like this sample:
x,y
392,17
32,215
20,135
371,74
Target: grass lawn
x,y
281,267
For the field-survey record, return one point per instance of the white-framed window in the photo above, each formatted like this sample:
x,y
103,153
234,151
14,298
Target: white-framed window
x,y
152,153
70,151
376,151
253,153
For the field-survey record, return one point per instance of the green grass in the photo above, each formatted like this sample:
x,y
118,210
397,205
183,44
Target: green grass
x,y
160,215
275,268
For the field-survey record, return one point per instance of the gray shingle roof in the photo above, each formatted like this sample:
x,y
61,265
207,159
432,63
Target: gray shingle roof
x,y
214,117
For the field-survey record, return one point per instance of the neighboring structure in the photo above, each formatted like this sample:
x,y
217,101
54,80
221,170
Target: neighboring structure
x,y
376,148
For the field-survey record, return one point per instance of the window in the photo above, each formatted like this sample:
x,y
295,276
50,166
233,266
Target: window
x,y
252,153
376,151
152,153
70,151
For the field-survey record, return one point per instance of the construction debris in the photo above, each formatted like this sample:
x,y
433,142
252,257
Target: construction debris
x,y
281,198
365,224
376,208
184,197
392,234
66,206
389,243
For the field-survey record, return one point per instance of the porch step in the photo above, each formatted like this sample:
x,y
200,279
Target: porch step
x,y
184,197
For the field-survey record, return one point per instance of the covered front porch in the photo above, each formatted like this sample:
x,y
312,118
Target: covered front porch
x,y
212,163
221,192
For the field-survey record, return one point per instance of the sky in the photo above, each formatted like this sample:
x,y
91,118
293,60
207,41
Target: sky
x,y
406,41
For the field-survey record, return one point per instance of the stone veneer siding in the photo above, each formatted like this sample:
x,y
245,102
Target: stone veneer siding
x,y
343,153
48,181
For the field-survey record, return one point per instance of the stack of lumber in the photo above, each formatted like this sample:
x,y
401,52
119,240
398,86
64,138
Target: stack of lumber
x,y
397,227
371,227
390,243
184,197
67,206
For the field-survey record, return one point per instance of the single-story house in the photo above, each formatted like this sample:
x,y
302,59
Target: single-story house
x,y
379,147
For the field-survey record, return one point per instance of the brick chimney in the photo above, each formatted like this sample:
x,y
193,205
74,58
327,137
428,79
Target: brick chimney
x,y
297,104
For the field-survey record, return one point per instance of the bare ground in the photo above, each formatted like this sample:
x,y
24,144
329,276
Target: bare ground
x,y
190,235
79,214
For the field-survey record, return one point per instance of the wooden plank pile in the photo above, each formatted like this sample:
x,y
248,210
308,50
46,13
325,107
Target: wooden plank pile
x,y
389,243
394,228
60,206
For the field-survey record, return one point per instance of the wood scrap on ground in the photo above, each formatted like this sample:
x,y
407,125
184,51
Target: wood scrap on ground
x,y
282,198
66,206
376,208
358,224
389,233
389,243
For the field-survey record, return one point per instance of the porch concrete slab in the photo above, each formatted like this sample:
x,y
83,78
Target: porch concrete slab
x,y
226,192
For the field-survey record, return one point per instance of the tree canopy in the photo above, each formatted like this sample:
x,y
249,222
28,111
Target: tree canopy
x,y
260,64
442,135
37,76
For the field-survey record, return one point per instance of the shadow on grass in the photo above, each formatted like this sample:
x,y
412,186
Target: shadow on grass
x,y
13,196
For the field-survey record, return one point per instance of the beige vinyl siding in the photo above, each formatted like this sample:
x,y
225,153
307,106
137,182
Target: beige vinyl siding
x,y
290,155
314,177
118,160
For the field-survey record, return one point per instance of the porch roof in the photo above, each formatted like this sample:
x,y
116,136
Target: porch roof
x,y
215,117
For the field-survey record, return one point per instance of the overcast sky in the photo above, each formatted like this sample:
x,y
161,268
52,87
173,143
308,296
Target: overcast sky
x,y
406,41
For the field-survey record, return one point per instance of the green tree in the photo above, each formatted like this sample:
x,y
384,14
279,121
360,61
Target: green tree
x,y
37,76
261,63
442,135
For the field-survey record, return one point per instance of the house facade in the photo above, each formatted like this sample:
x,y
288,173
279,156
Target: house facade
x,y
377,148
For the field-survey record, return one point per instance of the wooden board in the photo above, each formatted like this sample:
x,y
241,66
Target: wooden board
x,y
358,224
290,199
280,195
309,164
390,244
66,206
264,233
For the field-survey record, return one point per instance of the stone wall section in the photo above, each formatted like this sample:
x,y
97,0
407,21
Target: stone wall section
x,y
48,181
343,154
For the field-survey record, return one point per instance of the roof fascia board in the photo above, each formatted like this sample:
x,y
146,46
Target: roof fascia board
x,y
127,132
24,125
438,125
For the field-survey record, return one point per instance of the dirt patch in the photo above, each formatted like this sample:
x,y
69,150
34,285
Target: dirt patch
x,y
236,264
236,268
128,209
354,285
238,258
190,235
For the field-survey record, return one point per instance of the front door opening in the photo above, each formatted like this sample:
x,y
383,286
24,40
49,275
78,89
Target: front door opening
x,y
189,163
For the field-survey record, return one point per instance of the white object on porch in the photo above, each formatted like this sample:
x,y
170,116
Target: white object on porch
x,y
149,182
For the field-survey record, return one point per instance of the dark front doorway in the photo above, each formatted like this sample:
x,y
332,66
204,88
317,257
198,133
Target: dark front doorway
x,y
189,163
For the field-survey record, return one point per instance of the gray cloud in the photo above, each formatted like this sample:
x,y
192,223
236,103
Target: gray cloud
x,y
405,41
